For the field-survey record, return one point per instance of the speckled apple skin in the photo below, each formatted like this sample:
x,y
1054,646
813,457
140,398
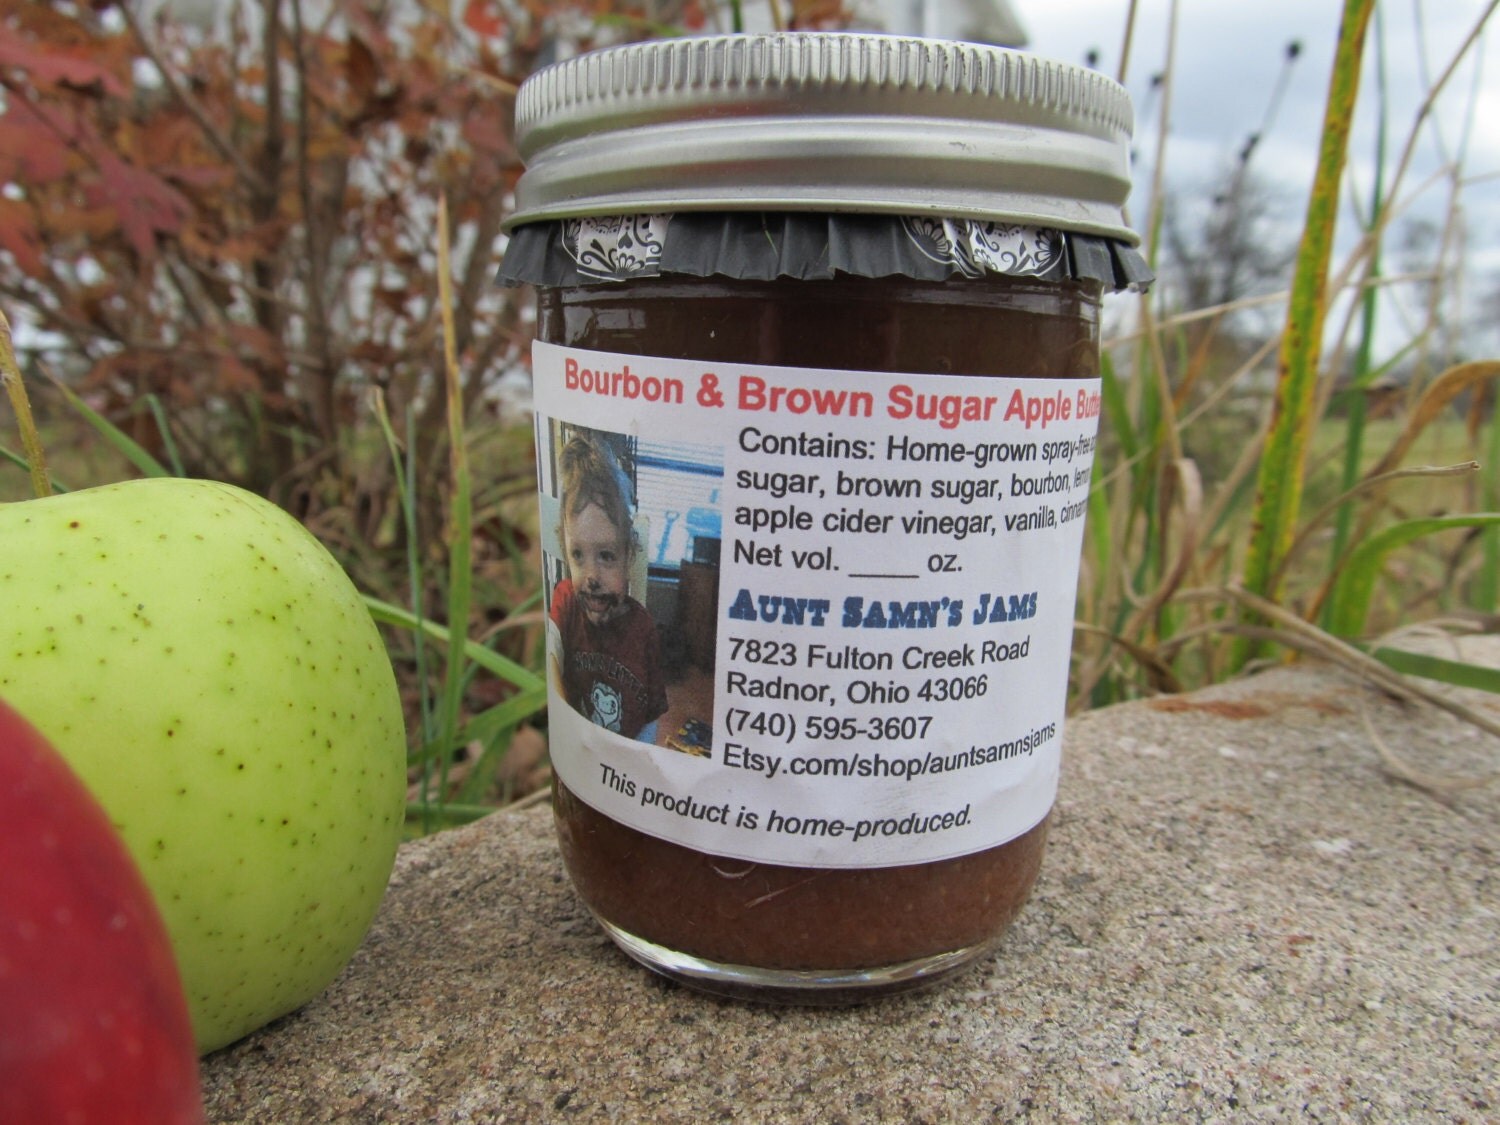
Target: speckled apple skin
x,y
210,671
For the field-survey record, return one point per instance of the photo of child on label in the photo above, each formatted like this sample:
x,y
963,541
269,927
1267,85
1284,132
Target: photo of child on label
x,y
603,644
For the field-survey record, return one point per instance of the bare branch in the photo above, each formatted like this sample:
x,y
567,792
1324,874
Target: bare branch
x,y
184,98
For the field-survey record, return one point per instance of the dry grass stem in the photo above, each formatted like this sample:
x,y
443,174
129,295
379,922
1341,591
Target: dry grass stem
x,y
15,390
1306,637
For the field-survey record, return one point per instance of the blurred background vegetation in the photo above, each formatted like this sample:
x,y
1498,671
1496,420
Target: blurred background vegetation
x,y
256,242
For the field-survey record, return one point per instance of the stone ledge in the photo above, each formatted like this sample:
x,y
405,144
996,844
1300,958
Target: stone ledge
x,y
1240,913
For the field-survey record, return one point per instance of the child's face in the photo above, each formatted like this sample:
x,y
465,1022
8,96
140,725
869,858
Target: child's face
x,y
598,563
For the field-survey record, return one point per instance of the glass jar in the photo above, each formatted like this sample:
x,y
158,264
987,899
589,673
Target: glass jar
x,y
835,780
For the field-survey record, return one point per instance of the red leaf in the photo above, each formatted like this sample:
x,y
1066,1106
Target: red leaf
x,y
18,235
145,203
361,70
234,376
55,66
32,148
200,176
487,133
483,19
256,342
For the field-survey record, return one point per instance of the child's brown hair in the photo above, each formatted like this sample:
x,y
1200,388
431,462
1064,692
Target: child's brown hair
x,y
589,477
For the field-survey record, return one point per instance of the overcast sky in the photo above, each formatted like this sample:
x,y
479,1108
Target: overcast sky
x,y
1229,61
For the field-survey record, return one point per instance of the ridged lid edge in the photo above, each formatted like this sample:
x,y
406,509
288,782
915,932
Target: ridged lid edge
x,y
965,79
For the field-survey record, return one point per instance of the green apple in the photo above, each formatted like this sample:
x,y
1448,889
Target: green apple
x,y
210,671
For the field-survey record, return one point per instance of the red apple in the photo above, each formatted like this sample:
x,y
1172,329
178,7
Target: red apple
x,y
93,1023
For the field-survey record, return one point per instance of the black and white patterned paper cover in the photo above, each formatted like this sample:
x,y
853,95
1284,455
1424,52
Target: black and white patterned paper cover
x,y
808,247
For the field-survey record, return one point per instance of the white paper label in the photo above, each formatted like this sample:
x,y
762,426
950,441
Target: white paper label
x,y
896,573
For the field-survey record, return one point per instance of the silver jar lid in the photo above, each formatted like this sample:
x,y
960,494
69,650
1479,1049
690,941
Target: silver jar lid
x,y
825,122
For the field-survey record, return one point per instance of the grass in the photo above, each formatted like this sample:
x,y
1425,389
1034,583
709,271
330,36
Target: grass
x,y
1279,485
1241,515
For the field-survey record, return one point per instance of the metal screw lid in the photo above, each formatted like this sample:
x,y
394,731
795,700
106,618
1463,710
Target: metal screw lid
x,y
825,122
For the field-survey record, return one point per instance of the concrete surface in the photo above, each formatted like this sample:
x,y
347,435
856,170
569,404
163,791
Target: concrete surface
x,y
1242,917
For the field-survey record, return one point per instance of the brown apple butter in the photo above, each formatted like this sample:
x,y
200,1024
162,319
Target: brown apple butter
x,y
829,924
816,235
